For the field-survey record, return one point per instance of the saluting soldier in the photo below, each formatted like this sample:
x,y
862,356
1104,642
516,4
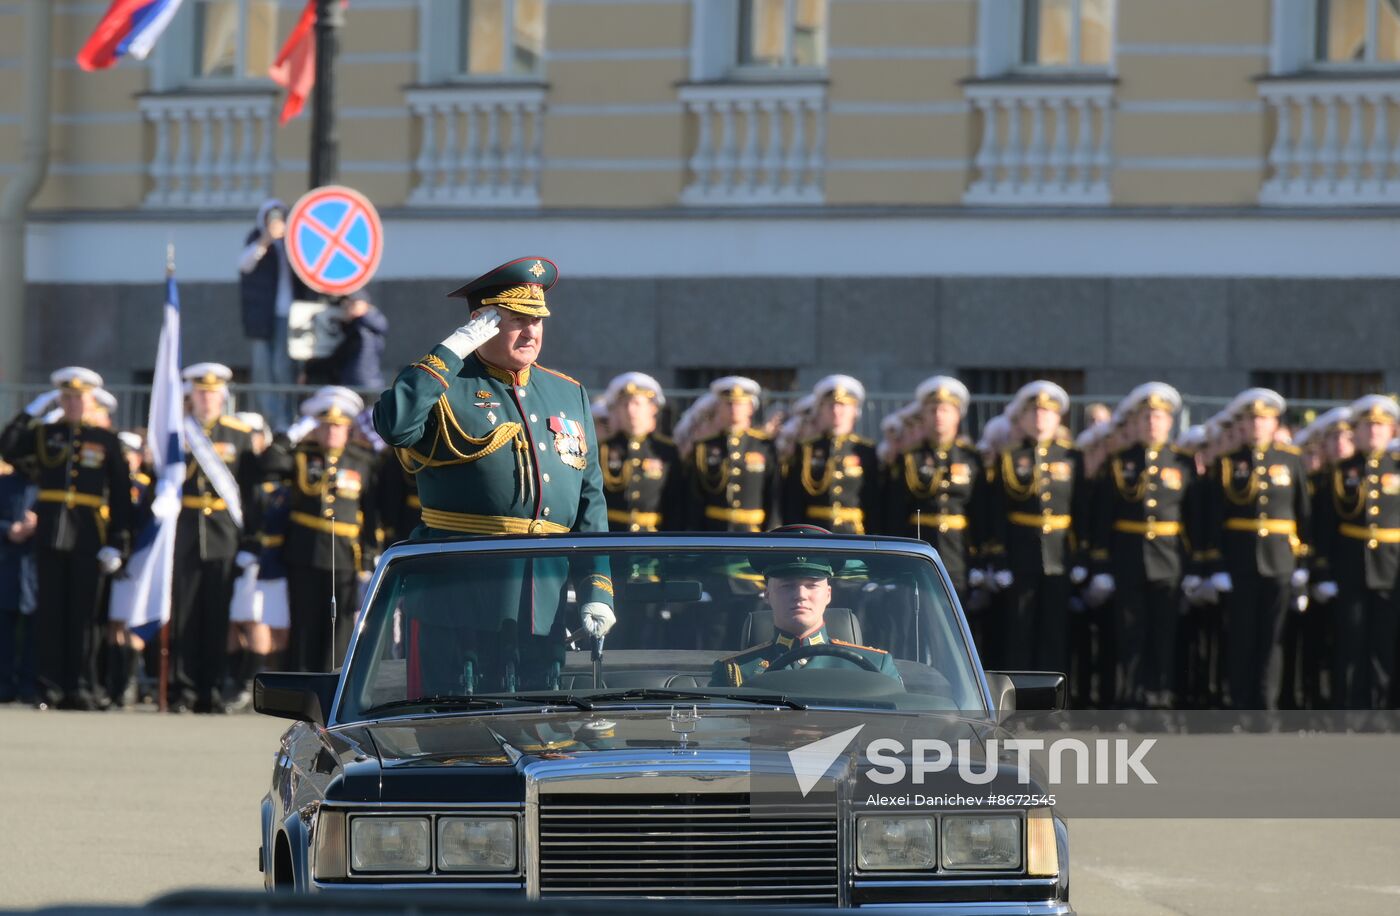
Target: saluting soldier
x,y
936,490
210,538
1263,513
1359,533
642,475
734,473
1141,545
84,529
833,478
501,445
329,534
1037,505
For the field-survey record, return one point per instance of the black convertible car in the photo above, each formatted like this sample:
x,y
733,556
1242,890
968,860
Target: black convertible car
x,y
454,754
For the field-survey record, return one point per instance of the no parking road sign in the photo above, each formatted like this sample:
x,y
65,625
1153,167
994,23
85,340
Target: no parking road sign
x,y
334,239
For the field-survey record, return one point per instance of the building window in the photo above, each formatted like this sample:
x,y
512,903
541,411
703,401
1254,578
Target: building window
x,y
1070,34
782,34
1357,32
1009,381
500,37
234,39
1319,386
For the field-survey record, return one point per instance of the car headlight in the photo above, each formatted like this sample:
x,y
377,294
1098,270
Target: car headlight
x,y
975,841
476,844
390,844
888,843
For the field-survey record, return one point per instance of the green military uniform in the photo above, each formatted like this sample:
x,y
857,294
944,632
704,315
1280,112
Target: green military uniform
x,y
738,670
499,452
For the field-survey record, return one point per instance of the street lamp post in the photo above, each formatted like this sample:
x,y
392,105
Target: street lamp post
x,y
325,143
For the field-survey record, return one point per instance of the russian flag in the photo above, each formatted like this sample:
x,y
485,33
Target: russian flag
x,y
128,27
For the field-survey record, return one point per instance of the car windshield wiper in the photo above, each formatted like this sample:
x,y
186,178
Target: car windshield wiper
x,y
438,699
543,699
662,693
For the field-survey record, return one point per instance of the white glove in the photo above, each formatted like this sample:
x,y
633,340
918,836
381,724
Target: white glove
x,y
975,577
1205,593
598,618
1222,583
109,560
1301,602
474,333
298,430
245,558
1189,585
1103,584
1300,578
1077,575
1003,578
40,405
1324,592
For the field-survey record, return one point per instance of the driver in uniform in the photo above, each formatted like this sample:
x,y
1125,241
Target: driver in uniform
x,y
799,592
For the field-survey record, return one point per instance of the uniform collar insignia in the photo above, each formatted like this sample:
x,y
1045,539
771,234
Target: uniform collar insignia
x,y
505,376
816,638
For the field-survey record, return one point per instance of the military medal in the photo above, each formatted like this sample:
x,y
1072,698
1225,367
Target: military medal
x,y
569,442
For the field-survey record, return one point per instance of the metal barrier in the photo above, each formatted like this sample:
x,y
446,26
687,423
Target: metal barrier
x,y
133,404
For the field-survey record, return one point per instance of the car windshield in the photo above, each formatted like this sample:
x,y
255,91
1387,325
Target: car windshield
x,y
488,630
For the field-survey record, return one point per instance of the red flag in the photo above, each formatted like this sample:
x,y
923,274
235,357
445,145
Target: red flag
x,y
295,66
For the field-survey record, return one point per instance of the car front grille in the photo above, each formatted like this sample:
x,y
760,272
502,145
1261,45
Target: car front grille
x,y
691,846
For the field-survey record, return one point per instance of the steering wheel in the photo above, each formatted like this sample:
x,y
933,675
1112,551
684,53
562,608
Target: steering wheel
x,y
796,654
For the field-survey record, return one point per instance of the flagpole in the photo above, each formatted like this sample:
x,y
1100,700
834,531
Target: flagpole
x,y
163,693
325,143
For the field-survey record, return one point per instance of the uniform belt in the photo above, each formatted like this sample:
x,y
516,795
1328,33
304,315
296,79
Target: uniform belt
x,y
271,540
1361,533
467,523
1150,529
413,501
340,529
204,501
940,521
736,516
839,515
1263,526
1046,523
634,517
71,498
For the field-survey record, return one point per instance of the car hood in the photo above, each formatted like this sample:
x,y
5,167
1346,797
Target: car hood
x,y
485,758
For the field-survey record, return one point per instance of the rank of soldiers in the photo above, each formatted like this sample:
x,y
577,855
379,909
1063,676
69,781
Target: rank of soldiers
x,y
1232,563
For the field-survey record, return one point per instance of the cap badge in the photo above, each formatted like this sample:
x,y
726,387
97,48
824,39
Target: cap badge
x,y
538,269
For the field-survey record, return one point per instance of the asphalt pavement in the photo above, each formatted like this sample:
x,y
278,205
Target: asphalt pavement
x,y
120,807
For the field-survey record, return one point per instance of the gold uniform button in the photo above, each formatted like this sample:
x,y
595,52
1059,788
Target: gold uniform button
x,y
534,419
1375,510
735,456
943,485
1263,500
636,446
1152,470
1041,452
735,472
636,494
1151,504
1373,494
208,511
836,505
546,512
635,528
734,503
328,513
1045,497
1044,467
1263,486
1373,544
1373,479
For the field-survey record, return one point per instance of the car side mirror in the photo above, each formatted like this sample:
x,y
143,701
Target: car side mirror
x,y
1027,691
305,697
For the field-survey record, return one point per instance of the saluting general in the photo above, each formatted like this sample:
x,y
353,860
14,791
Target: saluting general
x,y
501,445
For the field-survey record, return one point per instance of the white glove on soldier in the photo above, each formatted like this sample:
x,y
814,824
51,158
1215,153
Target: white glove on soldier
x,y
1077,575
1003,578
598,618
1102,584
1189,584
298,430
109,560
975,577
1300,578
474,333
244,558
1325,592
1222,583
40,405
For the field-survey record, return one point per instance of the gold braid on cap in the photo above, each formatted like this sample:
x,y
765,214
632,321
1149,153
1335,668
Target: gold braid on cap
x,y
527,300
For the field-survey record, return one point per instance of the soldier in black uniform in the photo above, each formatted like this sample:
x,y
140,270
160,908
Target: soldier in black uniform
x,y
84,530
833,478
208,537
1358,532
642,477
936,490
1263,513
1037,500
1141,545
330,529
734,475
